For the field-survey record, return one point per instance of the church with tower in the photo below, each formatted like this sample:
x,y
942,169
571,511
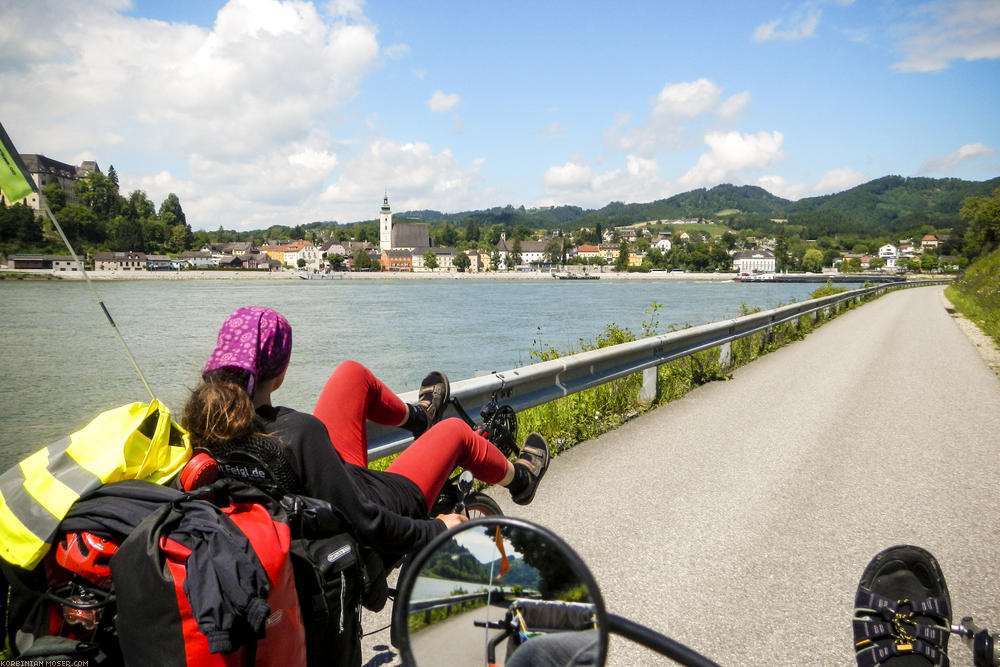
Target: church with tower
x,y
401,235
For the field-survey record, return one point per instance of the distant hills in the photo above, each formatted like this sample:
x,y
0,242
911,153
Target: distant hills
x,y
886,205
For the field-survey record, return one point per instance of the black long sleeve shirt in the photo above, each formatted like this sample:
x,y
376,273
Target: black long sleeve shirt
x,y
388,511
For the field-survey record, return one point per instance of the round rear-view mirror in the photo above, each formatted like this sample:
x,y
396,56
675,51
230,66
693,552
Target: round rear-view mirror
x,y
499,591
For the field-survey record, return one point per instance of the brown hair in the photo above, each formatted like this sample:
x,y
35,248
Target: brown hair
x,y
219,409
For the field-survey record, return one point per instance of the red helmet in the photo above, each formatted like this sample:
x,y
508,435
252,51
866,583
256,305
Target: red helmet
x,y
87,555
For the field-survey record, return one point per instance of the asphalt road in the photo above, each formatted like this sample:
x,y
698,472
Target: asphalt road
x,y
738,519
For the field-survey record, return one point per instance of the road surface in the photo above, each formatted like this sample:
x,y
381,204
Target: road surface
x,y
739,518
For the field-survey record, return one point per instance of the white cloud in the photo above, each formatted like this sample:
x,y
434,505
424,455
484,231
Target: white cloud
x,y
800,26
416,176
244,105
732,107
441,103
575,181
573,174
838,180
941,31
731,153
780,187
397,51
835,180
963,154
675,109
554,130
686,100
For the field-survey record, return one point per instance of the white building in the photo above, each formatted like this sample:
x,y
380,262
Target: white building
x,y
385,226
664,245
754,261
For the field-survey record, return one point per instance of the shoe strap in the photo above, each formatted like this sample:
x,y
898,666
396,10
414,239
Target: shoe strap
x,y
873,602
876,656
865,629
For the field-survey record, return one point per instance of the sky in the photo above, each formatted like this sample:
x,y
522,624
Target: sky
x,y
261,112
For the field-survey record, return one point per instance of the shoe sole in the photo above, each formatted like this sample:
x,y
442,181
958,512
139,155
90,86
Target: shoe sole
x,y
444,402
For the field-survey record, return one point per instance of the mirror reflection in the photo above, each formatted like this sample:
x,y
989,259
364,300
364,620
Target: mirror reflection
x,y
502,595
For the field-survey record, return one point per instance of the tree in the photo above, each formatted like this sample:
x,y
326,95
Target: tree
x,y
621,264
100,193
301,263
363,261
461,262
514,256
781,254
812,261
125,234
430,260
18,223
138,206
180,238
472,231
446,235
171,211
336,260
54,196
983,216
495,260
80,223
553,251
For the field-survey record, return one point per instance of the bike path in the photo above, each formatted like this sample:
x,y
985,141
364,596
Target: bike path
x,y
738,519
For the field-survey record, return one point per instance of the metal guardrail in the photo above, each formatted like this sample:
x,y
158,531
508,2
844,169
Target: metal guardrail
x,y
533,385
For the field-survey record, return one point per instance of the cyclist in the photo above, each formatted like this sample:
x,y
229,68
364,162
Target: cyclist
x,y
328,450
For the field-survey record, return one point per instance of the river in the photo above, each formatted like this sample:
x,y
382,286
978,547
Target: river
x,y
62,364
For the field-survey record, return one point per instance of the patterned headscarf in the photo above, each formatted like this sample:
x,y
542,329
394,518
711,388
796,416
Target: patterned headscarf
x,y
255,339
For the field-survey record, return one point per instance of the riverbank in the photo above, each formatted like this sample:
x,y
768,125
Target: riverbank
x,y
32,274
348,275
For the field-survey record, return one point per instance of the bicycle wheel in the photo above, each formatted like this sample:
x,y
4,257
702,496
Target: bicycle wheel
x,y
478,505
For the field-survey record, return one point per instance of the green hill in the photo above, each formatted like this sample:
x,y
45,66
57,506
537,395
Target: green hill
x,y
888,205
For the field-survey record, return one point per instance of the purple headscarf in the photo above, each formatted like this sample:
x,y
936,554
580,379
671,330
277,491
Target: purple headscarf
x,y
255,339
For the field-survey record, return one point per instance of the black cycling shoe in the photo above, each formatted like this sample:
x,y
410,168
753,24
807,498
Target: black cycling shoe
x,y
432,399
902,611
533,462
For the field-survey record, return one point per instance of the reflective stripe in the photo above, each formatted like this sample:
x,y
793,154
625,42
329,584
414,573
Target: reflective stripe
x,y
54,480
19,545
67,471
36,498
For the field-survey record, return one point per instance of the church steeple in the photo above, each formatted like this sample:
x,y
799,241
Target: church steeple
x,y
385,225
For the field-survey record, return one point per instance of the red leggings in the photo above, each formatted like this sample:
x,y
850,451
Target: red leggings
x,y
353,394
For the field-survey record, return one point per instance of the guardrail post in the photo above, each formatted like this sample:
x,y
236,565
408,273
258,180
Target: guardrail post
x,y
649,391
726,355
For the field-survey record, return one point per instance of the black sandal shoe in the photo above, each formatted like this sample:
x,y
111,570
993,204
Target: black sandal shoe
x,y
902,611
534,460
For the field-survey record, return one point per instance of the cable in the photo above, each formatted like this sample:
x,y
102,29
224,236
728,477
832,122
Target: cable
x,y
93,290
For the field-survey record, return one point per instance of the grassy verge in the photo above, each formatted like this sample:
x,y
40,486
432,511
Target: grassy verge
x,y
568,421
977,294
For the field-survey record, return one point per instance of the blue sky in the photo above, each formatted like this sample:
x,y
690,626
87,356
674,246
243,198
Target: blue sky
x,y
259,112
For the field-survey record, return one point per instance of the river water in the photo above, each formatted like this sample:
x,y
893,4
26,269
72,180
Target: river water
x,y
61,364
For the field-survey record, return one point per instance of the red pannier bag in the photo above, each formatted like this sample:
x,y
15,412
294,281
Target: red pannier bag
x,y
186,597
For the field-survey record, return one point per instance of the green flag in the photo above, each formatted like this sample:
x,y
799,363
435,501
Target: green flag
x,y
15,181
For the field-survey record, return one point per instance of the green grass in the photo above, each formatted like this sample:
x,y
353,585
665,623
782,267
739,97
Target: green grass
x,y
976,294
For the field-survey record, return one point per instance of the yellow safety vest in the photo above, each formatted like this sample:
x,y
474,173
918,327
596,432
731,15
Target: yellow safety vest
x,y
137,441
